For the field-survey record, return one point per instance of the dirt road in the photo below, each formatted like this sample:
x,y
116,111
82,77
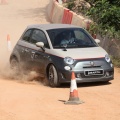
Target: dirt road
x,y
25,100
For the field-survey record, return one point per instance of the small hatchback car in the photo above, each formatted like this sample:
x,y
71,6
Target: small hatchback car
x,y
55,50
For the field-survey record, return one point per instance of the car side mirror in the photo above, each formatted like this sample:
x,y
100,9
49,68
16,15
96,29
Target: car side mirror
x,y
41,45
97,41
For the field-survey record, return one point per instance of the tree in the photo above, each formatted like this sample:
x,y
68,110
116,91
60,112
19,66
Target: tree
x,y
104,13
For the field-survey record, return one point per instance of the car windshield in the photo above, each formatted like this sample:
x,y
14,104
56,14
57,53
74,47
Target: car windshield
x,y
70,38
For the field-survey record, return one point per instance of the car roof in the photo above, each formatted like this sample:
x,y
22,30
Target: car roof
x,y
51,26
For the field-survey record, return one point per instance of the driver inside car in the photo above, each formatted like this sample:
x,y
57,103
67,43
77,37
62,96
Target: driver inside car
x,y
67,39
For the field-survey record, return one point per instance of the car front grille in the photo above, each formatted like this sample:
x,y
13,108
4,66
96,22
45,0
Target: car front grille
x,y
92,76
91,66
106,74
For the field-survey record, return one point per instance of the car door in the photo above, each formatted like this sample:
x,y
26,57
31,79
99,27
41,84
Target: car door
x,y
23,45
37,58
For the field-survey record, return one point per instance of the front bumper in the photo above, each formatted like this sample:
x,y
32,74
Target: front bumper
x,y
81,66
65,76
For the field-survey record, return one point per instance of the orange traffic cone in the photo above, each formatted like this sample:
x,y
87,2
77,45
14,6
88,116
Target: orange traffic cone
x,y
74,98
9,46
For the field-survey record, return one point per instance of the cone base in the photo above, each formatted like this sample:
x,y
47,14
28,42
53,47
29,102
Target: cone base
x,y
74,102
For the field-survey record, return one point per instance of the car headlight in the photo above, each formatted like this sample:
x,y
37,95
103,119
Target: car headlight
x,y
107,58
69,60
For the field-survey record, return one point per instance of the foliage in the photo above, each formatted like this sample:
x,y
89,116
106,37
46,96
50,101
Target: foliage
x,y
106,16
113,2
77,6
70,5
104,13
116,61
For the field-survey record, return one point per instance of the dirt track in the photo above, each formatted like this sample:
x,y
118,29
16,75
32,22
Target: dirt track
x,y
24,100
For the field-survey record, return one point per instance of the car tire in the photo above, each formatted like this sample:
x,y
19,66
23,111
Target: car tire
x,y
106,82
14,65
53,76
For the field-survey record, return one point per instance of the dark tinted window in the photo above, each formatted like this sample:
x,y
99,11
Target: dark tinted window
x,y
39,36
71,38
26,36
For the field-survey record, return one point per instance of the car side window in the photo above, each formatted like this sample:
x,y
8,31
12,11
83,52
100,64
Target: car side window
x,y
26,36
39,36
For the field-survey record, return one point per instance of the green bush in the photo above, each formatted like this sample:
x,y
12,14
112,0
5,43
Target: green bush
x,y
116,61
70,5
104,13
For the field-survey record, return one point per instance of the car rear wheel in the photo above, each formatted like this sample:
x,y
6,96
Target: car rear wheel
x,y
14,65
53,76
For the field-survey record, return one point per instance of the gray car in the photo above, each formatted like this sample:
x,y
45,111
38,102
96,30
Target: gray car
x,y
55,50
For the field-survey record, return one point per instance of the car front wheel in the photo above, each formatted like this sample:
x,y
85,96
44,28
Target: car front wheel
x,y
53,76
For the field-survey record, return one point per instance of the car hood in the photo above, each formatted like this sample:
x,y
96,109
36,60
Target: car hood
x,y
79,53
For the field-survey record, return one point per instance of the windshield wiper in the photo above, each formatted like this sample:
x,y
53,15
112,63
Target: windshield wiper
x,y
86,45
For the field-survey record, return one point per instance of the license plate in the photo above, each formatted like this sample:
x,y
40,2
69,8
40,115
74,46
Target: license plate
x,y
93,72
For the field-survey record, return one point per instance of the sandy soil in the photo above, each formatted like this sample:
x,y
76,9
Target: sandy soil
x,y
30,100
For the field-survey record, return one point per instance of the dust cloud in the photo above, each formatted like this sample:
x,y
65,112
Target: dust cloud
x,y
14,18
4,60
7,73
28,77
